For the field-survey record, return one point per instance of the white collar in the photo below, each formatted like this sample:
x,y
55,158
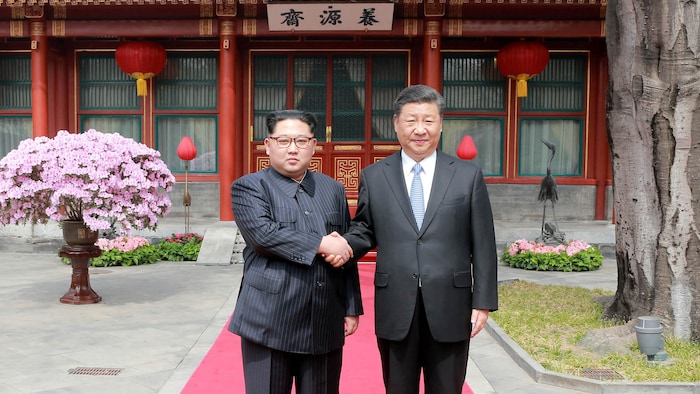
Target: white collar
x,y
428,163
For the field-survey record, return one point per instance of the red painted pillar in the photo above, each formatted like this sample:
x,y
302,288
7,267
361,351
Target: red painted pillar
x,y
58,104
432,60
227,121
601,148
40,96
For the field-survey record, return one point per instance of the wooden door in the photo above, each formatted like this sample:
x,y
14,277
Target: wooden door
x,y
351,94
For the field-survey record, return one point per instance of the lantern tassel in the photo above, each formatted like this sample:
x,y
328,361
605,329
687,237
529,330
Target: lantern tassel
x,y
522,88
141,89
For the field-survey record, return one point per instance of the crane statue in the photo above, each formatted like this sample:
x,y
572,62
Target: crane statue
x,y
548,192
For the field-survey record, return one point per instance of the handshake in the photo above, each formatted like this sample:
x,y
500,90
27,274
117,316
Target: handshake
x,y
335,249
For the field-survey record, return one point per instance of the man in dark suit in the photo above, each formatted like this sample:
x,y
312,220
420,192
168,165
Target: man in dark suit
x,y
435,277
294,309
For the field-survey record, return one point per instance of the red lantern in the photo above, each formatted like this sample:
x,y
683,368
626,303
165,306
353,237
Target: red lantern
x,y
186,150
522,60
467,149
142,60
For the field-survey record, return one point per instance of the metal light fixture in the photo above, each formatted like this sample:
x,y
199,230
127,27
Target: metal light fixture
x,y
649,338
187,151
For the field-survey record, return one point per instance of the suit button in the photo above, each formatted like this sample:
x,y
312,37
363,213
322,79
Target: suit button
x,y
420,242
319,283
414,276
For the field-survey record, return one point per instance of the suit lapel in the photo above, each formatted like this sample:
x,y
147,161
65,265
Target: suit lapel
x,y
444,172
393,172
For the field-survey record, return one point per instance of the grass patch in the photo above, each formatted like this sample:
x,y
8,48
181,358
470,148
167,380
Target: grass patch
x,y
549,321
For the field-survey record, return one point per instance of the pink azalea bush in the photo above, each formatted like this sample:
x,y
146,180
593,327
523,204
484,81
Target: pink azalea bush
x,y
99,178
574,255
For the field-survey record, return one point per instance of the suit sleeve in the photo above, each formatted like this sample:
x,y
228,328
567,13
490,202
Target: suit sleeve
x,y
266,235
360,236
484,256
353,295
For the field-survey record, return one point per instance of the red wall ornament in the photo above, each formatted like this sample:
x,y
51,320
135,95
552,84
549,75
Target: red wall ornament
x,y
142,60
467,149
522,60
186,150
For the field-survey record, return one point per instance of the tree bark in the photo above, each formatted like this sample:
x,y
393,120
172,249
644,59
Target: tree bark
x,y
653,115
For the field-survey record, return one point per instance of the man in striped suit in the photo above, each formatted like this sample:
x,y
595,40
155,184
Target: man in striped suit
x,y
294,309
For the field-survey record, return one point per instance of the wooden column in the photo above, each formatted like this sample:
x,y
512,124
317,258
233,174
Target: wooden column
x,y
40,96
600,136
227,120
59,107
432,61
432,42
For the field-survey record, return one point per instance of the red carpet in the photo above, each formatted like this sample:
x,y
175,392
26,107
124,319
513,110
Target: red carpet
x,y
221,370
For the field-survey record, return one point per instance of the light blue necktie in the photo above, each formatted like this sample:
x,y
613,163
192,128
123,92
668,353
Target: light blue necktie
x,y
417,195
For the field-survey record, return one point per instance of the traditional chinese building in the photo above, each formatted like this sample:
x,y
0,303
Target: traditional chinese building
x,y
82,64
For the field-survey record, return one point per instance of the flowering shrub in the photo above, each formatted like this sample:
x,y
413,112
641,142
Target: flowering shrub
x,y
93,177
180,247
125,250
135,250
572,256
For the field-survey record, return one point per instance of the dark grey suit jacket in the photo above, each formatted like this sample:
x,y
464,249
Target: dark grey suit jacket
x,y
290,298
454,253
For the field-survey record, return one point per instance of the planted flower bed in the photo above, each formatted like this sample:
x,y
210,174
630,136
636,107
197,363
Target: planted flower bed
x,y
571,256
180,247
136,250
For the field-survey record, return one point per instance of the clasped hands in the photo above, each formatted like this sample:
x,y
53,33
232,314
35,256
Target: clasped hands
x,y
335,249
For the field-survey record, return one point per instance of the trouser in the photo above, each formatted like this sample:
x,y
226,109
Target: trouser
x,y
270,371
444,364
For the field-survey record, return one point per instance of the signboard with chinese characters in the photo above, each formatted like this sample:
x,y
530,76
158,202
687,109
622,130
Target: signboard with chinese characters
x,y
330,16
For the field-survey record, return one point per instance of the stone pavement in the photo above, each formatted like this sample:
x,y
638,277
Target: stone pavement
x,y
156,322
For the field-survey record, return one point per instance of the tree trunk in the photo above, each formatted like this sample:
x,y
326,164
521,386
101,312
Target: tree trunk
x,y
653,115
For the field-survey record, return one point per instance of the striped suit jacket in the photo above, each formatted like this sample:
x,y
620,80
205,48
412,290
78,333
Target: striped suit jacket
x,y
290,298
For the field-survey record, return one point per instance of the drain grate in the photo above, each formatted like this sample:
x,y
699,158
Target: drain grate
x,y
95,371
601,374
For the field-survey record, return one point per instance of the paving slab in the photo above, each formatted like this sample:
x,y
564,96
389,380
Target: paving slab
x,y
156,322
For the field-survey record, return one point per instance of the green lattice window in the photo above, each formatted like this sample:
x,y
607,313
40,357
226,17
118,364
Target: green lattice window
x,y
104,86
188,83
203,131
331,87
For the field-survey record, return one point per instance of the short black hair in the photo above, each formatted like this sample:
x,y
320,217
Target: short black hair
x,y
284,114
419,94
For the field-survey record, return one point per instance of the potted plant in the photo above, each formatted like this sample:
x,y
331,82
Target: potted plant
x,y
87,182
93,178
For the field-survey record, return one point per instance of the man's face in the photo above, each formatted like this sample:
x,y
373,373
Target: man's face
x,y
418,128
291,161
